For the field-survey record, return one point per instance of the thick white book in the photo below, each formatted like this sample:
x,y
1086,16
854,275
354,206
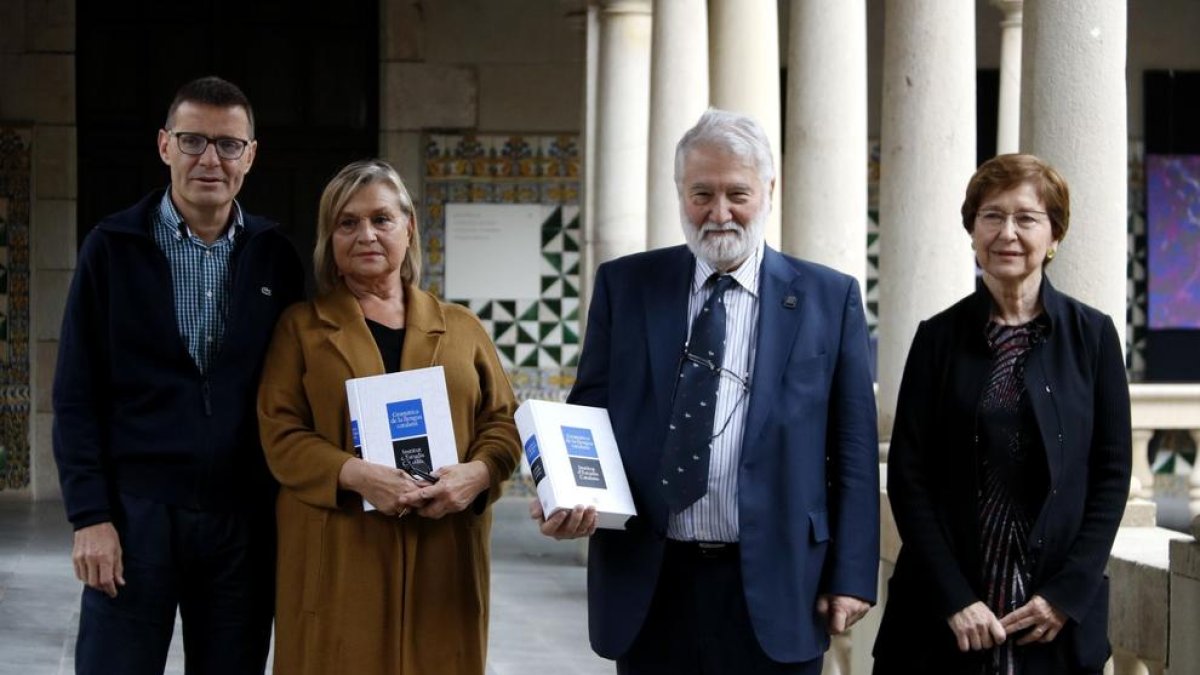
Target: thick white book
x,y
572,455
402,420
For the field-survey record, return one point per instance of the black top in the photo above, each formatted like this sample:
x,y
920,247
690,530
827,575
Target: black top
x,y
390,342
1010,444
1013,479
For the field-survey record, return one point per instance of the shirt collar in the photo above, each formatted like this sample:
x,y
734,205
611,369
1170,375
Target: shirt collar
x,y
170,218
745,276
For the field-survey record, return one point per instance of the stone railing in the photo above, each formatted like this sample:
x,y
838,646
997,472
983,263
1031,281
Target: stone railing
x,y
1163,406
1183,654
1142,602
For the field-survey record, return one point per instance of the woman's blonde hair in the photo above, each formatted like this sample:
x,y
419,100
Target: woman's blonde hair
x,y
340,190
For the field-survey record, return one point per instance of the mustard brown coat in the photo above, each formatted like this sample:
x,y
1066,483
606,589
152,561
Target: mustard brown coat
x,y
362,592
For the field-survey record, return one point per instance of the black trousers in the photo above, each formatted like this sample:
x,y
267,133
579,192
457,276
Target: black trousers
x,y
698,622
216,568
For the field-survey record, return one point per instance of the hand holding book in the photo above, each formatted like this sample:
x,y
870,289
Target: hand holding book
x,y
389,490
573,523
458,485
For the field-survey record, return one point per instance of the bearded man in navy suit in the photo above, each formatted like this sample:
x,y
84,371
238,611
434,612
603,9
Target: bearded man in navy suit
x,y
757,534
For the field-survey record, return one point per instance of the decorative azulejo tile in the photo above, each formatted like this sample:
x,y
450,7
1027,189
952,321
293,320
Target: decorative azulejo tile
x,y
537,339
15,399
1135,317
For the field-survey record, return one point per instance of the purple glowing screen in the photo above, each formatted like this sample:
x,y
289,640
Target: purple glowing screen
x,y
1173,240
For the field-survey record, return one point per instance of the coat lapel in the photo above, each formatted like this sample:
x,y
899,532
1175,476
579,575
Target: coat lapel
x,y
780,308
425,325
348,332
666,324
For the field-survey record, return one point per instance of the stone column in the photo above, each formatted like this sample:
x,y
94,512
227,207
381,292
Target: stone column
x,y
744,74
928,155
1009,119
591,77
622,119
1073,102
678,95
825,205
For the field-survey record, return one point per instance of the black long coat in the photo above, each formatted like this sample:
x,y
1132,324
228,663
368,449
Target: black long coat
x,y
1080,399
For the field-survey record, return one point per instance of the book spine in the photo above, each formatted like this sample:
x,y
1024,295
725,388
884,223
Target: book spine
x,y
356,430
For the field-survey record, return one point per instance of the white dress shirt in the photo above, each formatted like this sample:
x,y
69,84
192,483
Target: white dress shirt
x,y
714,517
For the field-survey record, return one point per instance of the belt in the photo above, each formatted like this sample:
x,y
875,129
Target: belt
x,y
706,550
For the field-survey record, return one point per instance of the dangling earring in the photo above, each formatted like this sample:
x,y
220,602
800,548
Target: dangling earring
x,y
1050,254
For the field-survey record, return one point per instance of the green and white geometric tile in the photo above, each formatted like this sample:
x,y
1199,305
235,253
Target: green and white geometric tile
x,y
1135,316
542,333
873,272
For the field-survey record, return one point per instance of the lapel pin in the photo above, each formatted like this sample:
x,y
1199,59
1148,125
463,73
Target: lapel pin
x,y
790,302
266,290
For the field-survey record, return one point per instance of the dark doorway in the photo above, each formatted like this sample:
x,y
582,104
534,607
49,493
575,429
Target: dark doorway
x,y
987,113
311,72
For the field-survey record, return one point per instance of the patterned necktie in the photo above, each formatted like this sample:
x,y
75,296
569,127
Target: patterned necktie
x,y
684,469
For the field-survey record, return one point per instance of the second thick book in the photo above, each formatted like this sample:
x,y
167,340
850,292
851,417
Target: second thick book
x,y
573,457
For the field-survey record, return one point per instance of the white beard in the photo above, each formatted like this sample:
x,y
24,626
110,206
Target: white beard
x,y
724,251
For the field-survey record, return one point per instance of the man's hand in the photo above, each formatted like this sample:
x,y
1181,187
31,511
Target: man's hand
x,y
563,524
458,485
840,612
97,558
1045,619
976,628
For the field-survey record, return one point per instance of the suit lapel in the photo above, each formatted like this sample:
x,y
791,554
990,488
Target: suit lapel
x,y
666,305
780,308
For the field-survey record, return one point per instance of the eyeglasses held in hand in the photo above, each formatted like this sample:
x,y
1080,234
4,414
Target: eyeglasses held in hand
x,y
195,144
415,471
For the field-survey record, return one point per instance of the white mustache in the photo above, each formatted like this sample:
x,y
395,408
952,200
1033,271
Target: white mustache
x,y
729,226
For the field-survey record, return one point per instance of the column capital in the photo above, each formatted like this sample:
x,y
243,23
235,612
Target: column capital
x,y
1013,11
575,12
623,6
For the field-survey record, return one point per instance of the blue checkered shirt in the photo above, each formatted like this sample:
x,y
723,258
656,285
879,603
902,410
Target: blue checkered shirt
x,y
200,277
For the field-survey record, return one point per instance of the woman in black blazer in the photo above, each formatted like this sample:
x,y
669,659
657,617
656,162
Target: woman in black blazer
x,y
1009,463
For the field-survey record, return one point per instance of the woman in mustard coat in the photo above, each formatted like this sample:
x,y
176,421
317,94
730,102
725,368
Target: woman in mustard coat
x,y
402,590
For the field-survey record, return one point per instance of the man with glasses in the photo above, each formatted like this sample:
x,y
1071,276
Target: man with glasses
x,y
167,320
738,383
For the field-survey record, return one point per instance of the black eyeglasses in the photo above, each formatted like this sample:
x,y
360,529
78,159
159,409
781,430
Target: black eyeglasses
x,y
717,371
195,144
414,470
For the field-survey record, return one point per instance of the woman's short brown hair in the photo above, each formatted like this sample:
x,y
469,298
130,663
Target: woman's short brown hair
x,y
338,192
1004,172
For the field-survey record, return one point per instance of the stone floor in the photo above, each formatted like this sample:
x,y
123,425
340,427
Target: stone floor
x,y
539,605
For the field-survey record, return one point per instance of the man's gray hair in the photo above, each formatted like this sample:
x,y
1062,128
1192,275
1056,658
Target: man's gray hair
x,y
733,132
